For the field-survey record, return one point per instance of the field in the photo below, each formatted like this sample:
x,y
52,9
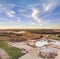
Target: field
x,y
29,34
13,35
55,37
14,53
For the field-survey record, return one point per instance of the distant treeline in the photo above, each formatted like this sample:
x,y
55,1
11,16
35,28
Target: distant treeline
x,y
47,31
42,31
39,31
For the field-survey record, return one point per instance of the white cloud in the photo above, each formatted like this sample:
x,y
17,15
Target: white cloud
x,y
6,10
47,7
33,23
10,13
35,15
2,9
18,20
25,12
50,4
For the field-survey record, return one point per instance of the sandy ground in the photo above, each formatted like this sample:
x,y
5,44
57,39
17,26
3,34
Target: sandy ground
x,y
3,54
32,52
58,57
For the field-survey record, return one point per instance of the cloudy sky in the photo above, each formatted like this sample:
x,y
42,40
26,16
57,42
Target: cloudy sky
x,y
29,14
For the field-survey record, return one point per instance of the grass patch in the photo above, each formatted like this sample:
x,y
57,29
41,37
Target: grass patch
x,y
14,53
54,37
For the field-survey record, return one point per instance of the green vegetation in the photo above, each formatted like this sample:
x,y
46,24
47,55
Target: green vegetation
x,y
14,53
54,37
40,31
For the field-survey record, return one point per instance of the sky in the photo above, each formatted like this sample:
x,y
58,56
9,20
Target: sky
x,y
29,14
